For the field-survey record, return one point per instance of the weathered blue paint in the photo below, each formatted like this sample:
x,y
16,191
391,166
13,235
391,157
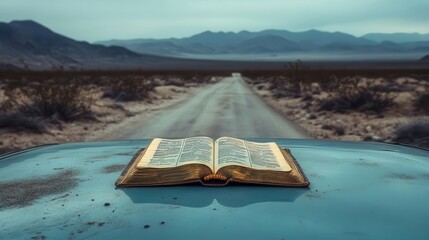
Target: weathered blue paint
x,y
358,191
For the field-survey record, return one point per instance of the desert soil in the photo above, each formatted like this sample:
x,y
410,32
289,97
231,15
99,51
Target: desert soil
x,y
227,108
200,109
351,125
109,114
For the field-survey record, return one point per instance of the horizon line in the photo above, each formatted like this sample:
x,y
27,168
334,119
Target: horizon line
x,y
226,32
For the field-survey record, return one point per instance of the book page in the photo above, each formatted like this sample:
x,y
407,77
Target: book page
x,y
197,150
167,153
231,151
262,156
266,156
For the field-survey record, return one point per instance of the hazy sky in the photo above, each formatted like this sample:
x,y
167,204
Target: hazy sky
x,y
93,20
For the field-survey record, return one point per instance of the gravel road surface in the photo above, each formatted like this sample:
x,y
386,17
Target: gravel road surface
x,y
227,108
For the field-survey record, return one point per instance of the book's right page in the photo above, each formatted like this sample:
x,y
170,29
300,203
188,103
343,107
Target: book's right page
x,y
260,156
257,163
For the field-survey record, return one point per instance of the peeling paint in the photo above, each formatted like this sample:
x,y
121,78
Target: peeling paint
x,y
21,193
113,168
364,163
402,176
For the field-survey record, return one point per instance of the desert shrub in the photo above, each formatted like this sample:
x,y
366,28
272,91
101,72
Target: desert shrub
x,y
175,82
20,122
415,132
422,103
307,97
337,129
286,88
289,79
296,71
255,81
363,99
64,101
129,89
296,80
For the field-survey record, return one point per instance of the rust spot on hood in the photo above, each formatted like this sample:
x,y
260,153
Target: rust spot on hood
x,y
21,193
114,168
402,176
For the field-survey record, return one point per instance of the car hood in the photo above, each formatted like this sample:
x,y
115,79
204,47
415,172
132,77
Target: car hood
x,y
358,190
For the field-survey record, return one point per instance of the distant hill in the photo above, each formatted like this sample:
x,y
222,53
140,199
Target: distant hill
x,y
27,44
244,42
269,42
30,45
425,58
397,37
316,38
9,67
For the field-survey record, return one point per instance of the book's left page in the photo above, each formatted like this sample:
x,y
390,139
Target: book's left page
x,y
170,153
169,162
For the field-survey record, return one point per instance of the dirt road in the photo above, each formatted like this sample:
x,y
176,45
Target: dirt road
x,y
227,108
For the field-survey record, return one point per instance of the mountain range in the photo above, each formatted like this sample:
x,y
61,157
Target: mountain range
x,y
279,42
30,45
397,37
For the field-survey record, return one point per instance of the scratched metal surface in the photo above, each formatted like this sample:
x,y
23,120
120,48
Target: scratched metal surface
x,y
358,191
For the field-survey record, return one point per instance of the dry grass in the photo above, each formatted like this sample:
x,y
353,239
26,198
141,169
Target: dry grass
x,y
348,104
20,122
67,102
362,99
129,88
49,107
422,103
69,96
415,132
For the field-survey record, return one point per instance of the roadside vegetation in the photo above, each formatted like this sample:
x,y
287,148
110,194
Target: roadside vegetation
x,y
414,132
45,107
350,104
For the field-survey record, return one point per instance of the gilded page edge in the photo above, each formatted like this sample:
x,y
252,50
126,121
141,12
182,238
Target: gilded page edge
x,y
130,166
289,157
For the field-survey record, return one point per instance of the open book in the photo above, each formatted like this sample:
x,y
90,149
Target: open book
x,y
201,159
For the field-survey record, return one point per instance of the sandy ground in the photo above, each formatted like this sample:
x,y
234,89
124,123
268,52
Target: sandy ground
x,y
110,114
226,108
354,126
